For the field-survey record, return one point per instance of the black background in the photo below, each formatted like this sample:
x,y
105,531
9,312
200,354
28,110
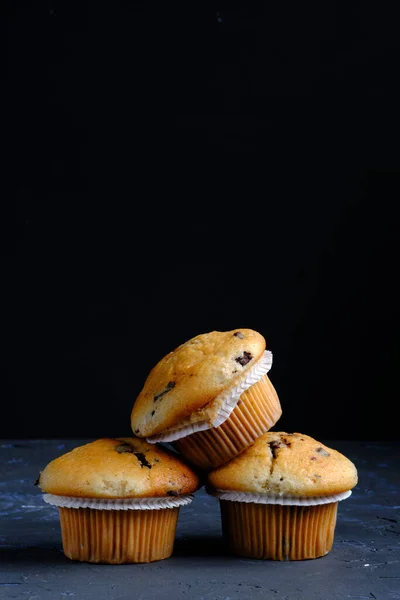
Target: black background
x,y
180,169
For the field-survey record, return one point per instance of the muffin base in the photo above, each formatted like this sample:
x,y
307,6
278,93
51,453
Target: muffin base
x,y
276,532
257,410
118,536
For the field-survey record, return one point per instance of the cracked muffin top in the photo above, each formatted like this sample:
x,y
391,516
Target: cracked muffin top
x,y
118,468
192,376
286,464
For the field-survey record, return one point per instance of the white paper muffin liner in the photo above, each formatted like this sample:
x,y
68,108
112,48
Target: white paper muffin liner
x,y
285,500
228,399
118,504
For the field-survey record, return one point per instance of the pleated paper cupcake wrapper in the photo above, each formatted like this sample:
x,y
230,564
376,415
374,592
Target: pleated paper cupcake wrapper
x,y
276,531
284,500
226,402
257,410
119,535
118,504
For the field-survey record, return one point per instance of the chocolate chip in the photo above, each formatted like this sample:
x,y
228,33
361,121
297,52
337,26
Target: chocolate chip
x,y
124,448
313,458
142,459
244,359
275,445
322,451
170,385
172,493
153,412
286,442
137,430
239,334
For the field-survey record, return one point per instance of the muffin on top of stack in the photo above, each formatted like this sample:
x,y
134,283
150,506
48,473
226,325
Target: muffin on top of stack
x,y
211,397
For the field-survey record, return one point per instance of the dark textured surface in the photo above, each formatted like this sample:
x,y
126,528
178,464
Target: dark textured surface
x,y
363,564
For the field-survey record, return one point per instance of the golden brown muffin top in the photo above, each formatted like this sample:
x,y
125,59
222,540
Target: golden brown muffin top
x,y
193,375
118,468
286,463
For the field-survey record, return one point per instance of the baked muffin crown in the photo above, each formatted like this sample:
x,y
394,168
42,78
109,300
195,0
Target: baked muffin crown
x,y
283,463
191,376
118,468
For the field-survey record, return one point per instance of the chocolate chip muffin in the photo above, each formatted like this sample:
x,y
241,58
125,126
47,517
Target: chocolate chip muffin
x,y
279,498
210,397
118,499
